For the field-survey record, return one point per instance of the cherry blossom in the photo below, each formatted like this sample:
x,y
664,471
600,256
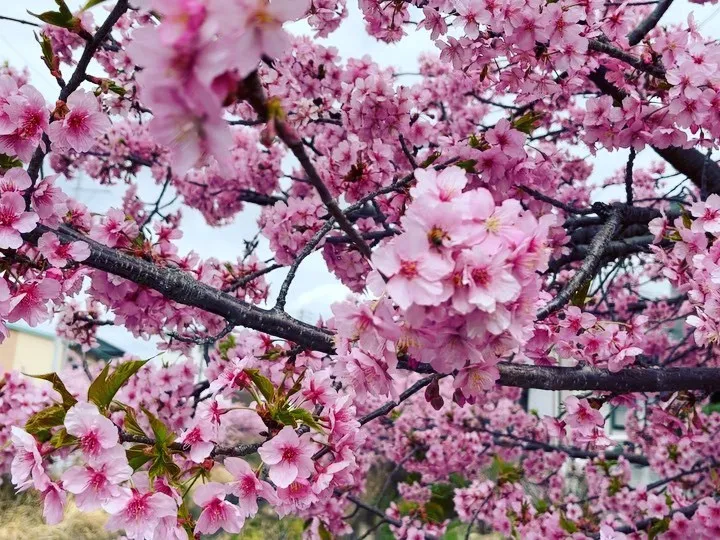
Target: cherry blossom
x,y
96,433
81,125
289,457
217,513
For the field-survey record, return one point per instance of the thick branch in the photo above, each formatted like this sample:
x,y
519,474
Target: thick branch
x,y
637,35
181,287
625,381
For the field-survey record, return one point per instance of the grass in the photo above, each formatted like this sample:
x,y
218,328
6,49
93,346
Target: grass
x,y
21,519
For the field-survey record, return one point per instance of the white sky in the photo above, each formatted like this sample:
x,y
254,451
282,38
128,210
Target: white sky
x,y
314,289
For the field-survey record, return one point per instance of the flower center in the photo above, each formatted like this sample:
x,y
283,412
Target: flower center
x,y
289,453
90,443
481,276
408,269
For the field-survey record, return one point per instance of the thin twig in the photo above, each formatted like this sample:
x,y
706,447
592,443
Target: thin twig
x,y
629,177
256,98
299,258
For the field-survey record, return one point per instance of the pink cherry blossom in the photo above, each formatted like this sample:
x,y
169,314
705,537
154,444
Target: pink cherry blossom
x,y
14,220
27,466
444,186
95,484
198,438
246,486
16,179
29,301
707,214
415,274
217,513
581,415
191,126
49,201
289,457
476,379
96,433
81,126
28,113
138,512
58,254
53,503
262,32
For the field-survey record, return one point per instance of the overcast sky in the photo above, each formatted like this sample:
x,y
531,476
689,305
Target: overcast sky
x,y
314,288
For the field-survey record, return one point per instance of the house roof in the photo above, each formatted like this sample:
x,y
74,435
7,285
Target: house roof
x,y
104,350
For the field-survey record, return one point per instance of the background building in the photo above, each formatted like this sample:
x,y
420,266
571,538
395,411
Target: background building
x,y
35,352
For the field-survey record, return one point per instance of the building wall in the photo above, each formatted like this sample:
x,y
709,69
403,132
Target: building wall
x,y
30,352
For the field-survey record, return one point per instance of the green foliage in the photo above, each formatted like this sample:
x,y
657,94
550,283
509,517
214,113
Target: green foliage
x,y
62,18
567,525
579,299
659,527
528,122
162,456
92,3
263,384
44,420
139,455
225,345
504,472
467,165
61,438
9,162
67,398
106,385
432,158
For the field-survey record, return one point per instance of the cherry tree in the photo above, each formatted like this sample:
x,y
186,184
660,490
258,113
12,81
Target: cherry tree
x,y
459,209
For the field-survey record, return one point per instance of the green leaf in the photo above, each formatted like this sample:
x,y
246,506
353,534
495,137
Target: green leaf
x,y
458,480
659,527
51,417
226,345
139,455
9,162
434,512
442,495
163,436
405,508
567,525
130,424
323,532
528,122
163,465
263,383
579,299
91,3
117,89
62,18
432,158
61,438
104,387
306,417
467,165
67,398
285,417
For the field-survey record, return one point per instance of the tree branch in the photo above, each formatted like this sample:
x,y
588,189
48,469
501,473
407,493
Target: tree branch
x,y
256,98
589,267
637,35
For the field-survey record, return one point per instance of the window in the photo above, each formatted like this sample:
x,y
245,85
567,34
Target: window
x,y
618,417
